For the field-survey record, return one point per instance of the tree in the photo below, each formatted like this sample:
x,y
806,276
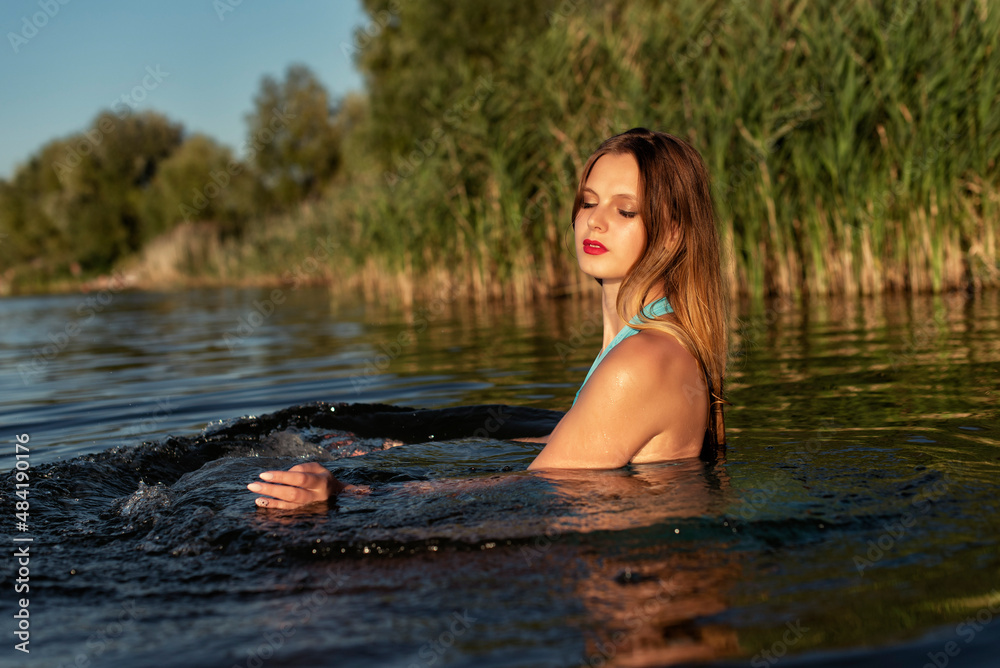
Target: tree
x,y
33,223
75,204
201,180
422,59
118,160
294,138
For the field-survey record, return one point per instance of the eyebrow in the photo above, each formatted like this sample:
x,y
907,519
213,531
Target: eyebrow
x,y
588,189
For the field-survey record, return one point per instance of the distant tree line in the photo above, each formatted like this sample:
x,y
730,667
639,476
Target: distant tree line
x,y
83,202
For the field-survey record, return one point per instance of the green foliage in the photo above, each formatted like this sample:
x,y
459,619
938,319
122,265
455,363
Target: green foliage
x,y
87,201
200,181
852,144
293,137
76,204
853,147
32,219
426,53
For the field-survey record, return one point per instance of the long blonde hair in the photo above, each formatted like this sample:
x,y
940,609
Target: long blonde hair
x,y
675,198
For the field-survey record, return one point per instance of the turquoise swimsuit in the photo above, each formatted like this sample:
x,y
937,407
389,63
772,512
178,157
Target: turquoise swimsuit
x,y
658,308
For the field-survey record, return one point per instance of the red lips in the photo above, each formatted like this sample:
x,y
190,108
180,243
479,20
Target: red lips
x,y
591,247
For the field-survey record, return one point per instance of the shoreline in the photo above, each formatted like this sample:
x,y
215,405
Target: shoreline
x,y
374,285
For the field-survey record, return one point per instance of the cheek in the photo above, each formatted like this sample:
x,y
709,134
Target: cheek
x,y
579,227
638,237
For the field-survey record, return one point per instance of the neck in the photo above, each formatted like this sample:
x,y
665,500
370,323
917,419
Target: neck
x,y
609,298
612,323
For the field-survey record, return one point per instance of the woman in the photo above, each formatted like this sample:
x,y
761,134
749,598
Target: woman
x,y
645,229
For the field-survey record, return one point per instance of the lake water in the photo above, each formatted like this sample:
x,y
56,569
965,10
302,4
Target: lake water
x,y
853,520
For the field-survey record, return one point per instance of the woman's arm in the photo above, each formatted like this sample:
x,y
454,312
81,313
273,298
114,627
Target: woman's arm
x,y
533,439
642,388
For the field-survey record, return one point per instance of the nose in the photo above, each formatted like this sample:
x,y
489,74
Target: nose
x,y
596,218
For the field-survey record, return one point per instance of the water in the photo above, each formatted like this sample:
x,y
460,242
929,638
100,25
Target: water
x,y
853,520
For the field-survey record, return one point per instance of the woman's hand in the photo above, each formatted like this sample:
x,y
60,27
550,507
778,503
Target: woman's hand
x,y
298,486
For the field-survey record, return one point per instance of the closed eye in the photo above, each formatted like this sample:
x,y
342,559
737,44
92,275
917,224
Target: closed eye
x,y
628,214
588,205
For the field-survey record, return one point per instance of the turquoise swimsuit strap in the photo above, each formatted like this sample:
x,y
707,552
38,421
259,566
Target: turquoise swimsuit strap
x,y
658,308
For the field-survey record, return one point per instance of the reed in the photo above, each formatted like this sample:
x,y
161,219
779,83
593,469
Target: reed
x,y
853,146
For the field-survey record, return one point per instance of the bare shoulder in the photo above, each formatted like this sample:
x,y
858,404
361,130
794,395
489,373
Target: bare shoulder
x,y
656,354
637,406
658,370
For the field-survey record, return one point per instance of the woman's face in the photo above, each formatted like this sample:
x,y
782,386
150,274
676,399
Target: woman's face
x,y
610,234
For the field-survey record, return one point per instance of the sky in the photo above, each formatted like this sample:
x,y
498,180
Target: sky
x,y
199,62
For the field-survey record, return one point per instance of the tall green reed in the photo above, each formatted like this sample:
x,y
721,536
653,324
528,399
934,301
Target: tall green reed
x,y
853,146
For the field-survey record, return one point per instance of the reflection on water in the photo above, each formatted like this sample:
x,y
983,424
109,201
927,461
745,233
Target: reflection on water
x,y
879,364
854,512
654,562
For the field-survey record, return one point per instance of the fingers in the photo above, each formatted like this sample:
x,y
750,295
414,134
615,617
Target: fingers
x,y
292,478
308,467
301,485
296,495
276,504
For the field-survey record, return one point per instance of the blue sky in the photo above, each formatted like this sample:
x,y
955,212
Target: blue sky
x,y
89,53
